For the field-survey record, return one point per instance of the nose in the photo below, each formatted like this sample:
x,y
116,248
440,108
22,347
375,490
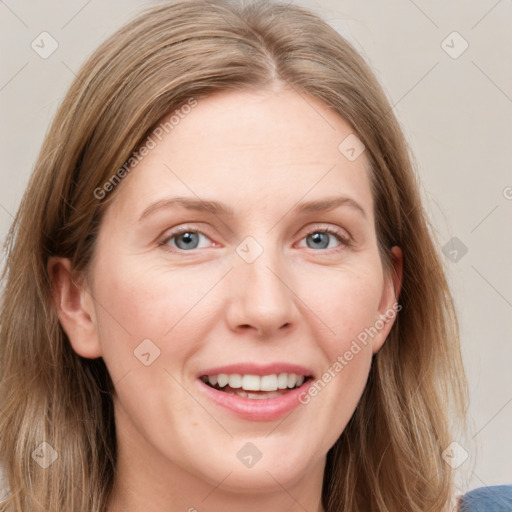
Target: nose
x,y
261,296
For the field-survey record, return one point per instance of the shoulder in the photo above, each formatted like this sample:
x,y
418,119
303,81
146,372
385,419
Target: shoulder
x,y
494,498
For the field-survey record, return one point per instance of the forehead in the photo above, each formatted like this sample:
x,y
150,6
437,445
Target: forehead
x,y
264,150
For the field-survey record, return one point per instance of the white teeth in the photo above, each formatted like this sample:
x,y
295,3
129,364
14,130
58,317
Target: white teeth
x,y
268,383
222,379
263,396
282,381
235,381
251,382
292,380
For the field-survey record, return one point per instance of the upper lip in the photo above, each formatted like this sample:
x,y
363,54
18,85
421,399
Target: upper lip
x,y
257,369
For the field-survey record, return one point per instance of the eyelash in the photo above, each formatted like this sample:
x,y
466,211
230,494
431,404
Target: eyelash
x,y
342,238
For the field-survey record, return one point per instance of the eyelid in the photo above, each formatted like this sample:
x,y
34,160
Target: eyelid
x,y
179,230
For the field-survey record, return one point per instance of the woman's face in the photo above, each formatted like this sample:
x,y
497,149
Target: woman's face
x,y
260,282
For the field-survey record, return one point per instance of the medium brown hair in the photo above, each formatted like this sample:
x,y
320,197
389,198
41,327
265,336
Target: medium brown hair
x,y
389,456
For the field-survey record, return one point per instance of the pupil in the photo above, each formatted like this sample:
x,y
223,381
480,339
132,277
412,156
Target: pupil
x,y
317,238
188,238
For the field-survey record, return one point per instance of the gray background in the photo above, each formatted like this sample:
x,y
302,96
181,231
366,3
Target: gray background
x,y
455,108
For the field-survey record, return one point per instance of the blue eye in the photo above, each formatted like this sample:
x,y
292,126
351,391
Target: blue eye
x,y
320,238
187,239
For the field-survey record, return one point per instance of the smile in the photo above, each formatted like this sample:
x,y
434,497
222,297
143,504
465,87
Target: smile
x,y
254,392
255,387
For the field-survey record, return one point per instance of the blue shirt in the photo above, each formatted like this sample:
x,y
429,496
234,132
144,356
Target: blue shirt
x,y
495,498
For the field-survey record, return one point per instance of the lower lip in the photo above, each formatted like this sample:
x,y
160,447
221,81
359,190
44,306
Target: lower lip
x,y
265,409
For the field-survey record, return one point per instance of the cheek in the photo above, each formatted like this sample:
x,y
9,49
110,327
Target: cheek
x,y
136,304
346,301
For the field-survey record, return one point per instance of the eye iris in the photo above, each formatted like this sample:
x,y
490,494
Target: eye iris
x,y
189,237
317,238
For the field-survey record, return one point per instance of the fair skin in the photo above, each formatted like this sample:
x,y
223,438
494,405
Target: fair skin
x,y
302,301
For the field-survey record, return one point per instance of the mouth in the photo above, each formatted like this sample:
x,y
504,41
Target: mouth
x,y
256,387
255,392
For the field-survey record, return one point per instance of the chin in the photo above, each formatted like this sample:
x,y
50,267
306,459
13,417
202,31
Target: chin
x,y
262,478
271,466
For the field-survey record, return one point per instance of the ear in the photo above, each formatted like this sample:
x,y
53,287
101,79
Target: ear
x,y
388,307
75,308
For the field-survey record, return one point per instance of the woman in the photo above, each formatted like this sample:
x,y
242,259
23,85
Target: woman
x,y
221,287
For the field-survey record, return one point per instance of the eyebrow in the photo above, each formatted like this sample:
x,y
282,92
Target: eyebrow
x,y
223,210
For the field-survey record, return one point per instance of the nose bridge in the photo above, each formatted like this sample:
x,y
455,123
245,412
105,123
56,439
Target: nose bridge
x,y
262,293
